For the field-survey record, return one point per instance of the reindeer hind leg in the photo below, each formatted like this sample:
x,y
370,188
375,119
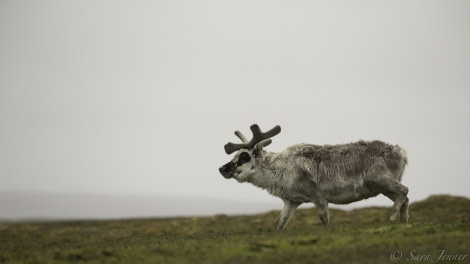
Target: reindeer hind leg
x,y
396,192
404,211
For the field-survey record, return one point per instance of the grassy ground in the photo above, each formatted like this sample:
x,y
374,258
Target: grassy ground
x,y
438,231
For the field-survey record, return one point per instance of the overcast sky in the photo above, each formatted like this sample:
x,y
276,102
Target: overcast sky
x,y
139,97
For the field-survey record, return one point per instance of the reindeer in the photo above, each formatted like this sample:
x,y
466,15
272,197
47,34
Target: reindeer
x,y
305,173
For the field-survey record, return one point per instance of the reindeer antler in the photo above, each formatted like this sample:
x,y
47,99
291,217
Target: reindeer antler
x,y
258,137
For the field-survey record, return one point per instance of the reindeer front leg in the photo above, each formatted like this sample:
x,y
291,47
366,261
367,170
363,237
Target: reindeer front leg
x,y
322,207
286,214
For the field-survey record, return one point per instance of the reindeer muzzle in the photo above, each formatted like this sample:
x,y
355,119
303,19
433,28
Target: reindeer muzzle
x,y
227,170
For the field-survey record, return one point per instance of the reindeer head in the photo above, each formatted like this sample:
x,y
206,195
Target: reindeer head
x,y
249,153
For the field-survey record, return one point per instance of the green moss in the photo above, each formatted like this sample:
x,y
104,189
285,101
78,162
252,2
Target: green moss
x,y
357,236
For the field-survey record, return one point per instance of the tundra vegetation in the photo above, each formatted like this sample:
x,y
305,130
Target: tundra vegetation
x,y
357,236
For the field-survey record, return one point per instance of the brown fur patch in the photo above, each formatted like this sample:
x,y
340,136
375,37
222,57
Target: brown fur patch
x,y
353,158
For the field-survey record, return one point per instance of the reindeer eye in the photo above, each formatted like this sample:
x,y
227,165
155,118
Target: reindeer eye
x,y
244,158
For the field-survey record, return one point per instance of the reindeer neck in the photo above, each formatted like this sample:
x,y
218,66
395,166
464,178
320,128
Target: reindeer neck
x,y
269,173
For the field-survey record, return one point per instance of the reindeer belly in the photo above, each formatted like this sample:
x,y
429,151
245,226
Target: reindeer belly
x,y
346,192
290,194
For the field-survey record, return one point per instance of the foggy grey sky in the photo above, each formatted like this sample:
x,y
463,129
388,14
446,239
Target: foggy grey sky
x,y
139,97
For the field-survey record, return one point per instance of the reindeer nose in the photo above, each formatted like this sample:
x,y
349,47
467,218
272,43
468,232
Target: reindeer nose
x,y
225,170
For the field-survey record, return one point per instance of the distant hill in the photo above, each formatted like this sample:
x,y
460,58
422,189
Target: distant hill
x,y
47,206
